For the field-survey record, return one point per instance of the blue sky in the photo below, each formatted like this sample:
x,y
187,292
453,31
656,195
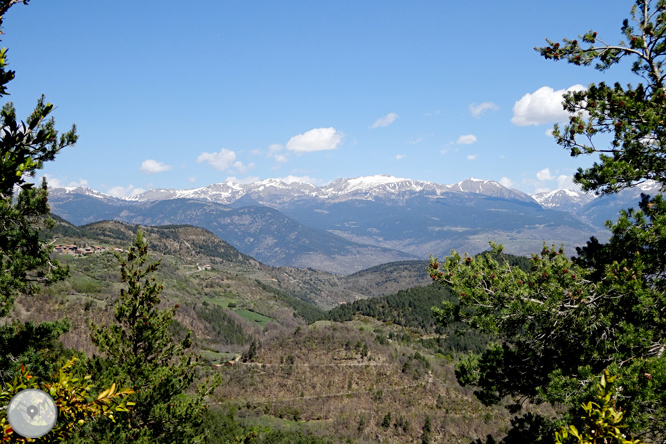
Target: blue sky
x,y
170,94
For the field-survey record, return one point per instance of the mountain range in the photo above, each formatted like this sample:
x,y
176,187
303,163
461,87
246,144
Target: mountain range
x,y
353,224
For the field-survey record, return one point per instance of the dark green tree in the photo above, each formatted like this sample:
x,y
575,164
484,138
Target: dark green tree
x,y
24,210
30,356
426,436
632,114
24,256
140,353
561,323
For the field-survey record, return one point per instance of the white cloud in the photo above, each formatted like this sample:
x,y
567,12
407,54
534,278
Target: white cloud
x,y
481,108
448,148
274,148
565,182
54,182
245,180
192,179
505,181
542,106
220,161
299,179
242,169
541,190
472,156
466,139
415,141
399,156
78,183
545,175
129,190
280,158
385,121
318,139
151,166
549,132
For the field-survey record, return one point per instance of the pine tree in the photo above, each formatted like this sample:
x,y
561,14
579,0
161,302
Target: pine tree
x,y
140,352
24,211
30,356
561,323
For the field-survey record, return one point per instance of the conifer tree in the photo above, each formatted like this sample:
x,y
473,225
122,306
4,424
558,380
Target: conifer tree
x,y
140,353
563,322
24,211
30,356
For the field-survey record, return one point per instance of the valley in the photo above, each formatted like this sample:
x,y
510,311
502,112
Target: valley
x,y
315,311
377,371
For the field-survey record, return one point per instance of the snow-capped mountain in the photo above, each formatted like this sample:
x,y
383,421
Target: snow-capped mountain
x,y
277,193
346,225
78,191
565,200
489,188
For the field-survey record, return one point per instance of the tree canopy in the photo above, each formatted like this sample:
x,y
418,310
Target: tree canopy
x,y
30,356
632,114
140,352
559,325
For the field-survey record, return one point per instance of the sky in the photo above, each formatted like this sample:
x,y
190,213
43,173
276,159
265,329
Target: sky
x,y
170,94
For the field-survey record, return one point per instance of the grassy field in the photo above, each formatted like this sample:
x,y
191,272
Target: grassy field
x,y
213,357
254,317
222,302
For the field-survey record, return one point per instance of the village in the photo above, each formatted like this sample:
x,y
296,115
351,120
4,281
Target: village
x,y
75,250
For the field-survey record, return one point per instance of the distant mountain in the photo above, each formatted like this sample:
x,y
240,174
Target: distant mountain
x,y
424,225
348,224
262,232
608,207
489,188
564,200
276,193
81,191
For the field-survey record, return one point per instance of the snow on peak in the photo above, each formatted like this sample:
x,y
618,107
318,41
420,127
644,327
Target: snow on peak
x,y
371,185
378,179
564,191
275,191
79,190
649,185
472,185
563,199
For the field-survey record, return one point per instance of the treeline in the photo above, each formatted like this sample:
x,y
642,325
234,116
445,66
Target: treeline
x,y
410,308
305,309
222,427
224,328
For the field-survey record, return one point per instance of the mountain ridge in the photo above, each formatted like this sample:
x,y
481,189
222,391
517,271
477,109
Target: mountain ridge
x,y
352,224
274,191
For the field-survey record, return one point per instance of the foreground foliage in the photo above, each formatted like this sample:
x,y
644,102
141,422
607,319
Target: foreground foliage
x,y
565,320
30,356
140,352
632,115
602,421
73,396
